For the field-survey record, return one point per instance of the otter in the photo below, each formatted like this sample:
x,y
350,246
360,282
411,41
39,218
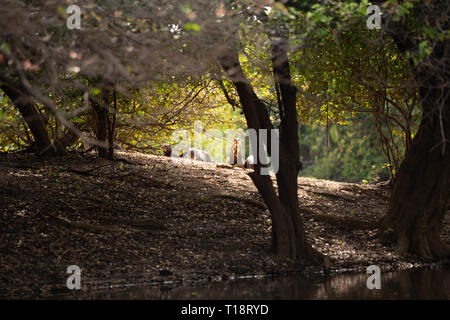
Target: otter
x,y
167,149
196,154
192,153
235,157
249,162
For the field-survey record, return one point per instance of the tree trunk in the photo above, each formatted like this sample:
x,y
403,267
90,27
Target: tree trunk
x,y
102,126
288,235
28,110
420,197
290,165
421,193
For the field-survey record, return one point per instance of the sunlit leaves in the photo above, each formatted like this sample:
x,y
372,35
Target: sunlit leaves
x,y
149,118
95,91
192,27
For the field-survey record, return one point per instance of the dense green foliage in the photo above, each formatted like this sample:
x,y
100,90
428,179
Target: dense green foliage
x,y
348,152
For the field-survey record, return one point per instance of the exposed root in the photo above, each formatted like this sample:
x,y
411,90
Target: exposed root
x,y
81,225
334,196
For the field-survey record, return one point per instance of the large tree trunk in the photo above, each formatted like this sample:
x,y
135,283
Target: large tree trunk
x,y
103,127
290,165
288,235
421,194
420,197
32,117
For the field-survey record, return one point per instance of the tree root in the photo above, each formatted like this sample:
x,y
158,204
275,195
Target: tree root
x,y
81,225
334,196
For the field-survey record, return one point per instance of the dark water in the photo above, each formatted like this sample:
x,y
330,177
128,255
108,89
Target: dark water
x,y
413,284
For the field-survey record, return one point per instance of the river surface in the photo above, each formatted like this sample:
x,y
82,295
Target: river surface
x,y
410,284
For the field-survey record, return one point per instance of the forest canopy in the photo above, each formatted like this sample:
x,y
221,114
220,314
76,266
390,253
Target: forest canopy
x,y
116,36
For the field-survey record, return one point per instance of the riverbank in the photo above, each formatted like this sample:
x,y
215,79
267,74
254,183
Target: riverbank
x,y
148,219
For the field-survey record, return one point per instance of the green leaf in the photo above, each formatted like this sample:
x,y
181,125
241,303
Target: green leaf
x,y
192,27
95,91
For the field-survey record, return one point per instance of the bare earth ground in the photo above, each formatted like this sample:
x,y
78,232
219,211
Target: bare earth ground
x,y
148,219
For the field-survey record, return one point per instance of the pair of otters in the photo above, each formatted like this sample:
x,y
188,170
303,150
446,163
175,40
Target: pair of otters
x,y
200,155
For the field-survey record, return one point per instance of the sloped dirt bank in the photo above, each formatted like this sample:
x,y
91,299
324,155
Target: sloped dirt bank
x,y
148,219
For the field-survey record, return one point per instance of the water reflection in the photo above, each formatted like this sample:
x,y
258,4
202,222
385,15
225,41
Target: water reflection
x,y
414,284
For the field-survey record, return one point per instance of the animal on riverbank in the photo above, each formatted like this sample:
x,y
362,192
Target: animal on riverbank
x,y
249,162
196,154
191,153
235,157
167,149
